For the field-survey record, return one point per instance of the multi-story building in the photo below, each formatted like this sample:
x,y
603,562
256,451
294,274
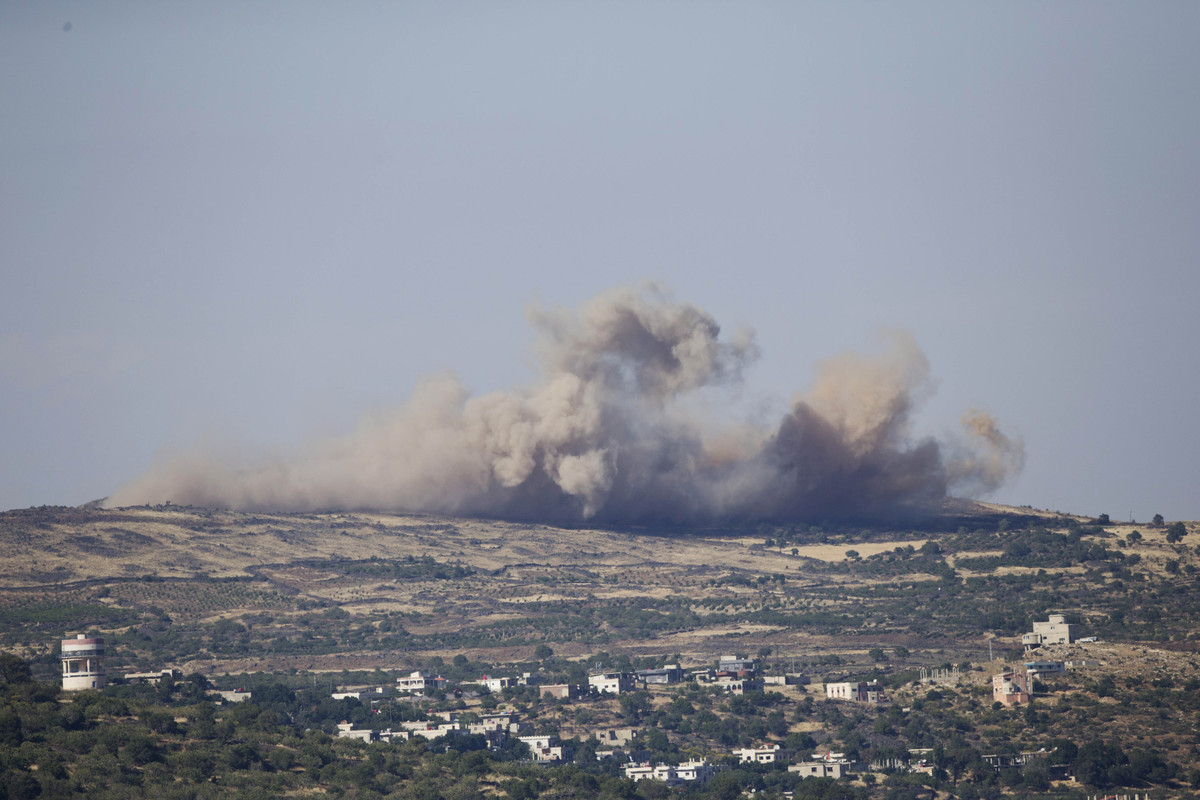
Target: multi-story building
x,y
856,691
612,682
83,663
735,664
563,691
758,755
496,685
671,673
1010,688
821,769
700,771
1055,630
420,682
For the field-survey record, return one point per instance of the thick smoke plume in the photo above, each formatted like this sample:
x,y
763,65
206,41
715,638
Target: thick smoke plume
x,y
608,434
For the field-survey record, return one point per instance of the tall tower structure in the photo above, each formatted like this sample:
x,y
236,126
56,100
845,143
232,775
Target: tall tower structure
x,y
83,663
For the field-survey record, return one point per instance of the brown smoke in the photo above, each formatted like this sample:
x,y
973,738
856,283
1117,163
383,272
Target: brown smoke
x,y
608,434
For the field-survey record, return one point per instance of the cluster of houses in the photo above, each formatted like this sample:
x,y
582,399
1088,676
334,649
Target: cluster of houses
x,y
820,765
732,673
824,765
496,728
1014,687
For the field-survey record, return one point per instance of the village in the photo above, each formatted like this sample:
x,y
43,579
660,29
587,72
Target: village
x,y
734,675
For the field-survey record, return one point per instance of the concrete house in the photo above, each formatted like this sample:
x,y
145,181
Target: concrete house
x,y
612,682
700,771
420,682
671,673
1010,688
758,755
1035,668
153,678
735,664
735,684
496,685
857,692
1055,630
821,769
615,737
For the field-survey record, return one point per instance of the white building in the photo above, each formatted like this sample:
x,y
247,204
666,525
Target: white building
x,y
346,730
420,682
545,748
736,685
758,755
612,682
700,771
496,685
83,663
856,691
542,740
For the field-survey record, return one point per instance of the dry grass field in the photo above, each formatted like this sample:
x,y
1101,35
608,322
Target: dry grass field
x,y
359,591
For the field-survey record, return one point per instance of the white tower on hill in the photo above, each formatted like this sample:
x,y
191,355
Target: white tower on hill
x,y
83,663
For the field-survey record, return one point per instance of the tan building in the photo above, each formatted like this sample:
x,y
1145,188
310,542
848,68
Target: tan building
x,y
153,678
821,769
1010,688
1055,630
83,663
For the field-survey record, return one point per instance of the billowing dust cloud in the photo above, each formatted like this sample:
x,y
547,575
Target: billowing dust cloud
x,y
608,433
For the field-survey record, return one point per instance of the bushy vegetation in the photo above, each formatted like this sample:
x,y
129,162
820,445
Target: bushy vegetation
x,y
877,614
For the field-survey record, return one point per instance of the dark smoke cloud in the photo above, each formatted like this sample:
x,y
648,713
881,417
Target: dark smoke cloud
x,y
609,434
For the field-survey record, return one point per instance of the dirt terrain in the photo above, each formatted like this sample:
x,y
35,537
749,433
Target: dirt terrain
x,y
492,590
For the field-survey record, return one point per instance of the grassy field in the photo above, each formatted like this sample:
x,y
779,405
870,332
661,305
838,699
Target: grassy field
x,y
223,591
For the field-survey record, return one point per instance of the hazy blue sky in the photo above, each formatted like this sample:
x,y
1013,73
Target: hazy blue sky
x,y
255,221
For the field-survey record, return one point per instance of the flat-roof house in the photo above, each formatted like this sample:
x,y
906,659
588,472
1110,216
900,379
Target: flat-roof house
x,y
671,673
1055,630
1010,688
495,685
820,769
736,664
420,682
758,755
612,682
856,691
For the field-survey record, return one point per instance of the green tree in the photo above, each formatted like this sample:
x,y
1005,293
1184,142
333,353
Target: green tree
x,y
14,670
1175,532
